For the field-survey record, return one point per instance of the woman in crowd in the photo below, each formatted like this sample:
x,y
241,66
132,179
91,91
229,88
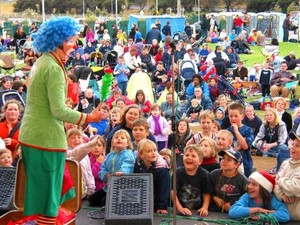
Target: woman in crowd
x,y
5,83
10,125
128,116
279,105
19,36
142,102
182,136
272,137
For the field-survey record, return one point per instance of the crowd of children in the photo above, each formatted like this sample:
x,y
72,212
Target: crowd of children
x,y
214,166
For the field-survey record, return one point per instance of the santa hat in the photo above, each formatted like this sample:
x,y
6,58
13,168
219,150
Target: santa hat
x,y
266,180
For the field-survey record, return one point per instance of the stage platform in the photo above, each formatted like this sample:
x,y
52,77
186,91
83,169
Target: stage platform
x,y
83,218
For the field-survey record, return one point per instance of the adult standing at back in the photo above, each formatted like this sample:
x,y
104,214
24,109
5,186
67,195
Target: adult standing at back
x,y
152,34
158,24
204,27
114,34
238,23
167,29
247,22
286,24
42,134
132,31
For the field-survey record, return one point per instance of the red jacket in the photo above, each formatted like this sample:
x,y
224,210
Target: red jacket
x,y
4,134
147,107
73,92
111,101
238,22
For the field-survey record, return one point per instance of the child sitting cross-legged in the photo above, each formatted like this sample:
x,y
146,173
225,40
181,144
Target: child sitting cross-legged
x,y
193,184
228,184
149,161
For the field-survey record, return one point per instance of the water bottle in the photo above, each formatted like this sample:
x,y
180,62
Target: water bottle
x,y
264,150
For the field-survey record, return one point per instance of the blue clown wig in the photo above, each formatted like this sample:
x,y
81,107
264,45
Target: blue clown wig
x,y
53,33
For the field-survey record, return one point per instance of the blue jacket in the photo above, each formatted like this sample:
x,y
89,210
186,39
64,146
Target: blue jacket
x,y
190,89
101,126
241,208
153,34
122,76
247,133
206,102
122,161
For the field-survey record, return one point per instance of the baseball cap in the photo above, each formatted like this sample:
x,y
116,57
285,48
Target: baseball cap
x,y
233,154
294,136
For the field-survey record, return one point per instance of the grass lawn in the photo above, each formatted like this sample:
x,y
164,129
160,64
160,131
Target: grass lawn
x,y
257,56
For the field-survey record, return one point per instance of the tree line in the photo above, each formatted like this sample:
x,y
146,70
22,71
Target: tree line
x,y
76,6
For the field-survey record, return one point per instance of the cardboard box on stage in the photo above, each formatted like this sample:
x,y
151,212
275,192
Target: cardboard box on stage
x,y
73,205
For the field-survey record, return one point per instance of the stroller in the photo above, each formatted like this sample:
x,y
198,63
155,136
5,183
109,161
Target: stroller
x,y
187,71
6,95
110,58
96,64
96,58
176,37
225,87
20,46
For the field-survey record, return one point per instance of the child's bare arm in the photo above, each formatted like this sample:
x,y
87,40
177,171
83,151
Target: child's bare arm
x,y
203,211
179,207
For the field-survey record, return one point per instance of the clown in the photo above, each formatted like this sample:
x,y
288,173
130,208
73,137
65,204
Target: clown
x,y
42,134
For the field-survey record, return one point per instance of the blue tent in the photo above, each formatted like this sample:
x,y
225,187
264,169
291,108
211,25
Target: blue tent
x,y
177,23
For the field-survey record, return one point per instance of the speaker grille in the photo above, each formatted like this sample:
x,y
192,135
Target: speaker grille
x,y
129,200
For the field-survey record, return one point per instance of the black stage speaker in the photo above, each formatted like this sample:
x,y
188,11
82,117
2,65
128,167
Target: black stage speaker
x,y
129,200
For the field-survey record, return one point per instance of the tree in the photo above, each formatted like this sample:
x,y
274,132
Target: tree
x,y
141,3
22,5
284,4
232,4
260,6
292,7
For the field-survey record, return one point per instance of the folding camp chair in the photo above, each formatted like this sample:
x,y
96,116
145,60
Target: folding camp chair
x,y
7,63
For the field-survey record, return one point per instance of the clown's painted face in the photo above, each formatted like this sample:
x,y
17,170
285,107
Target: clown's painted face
x,y
67,48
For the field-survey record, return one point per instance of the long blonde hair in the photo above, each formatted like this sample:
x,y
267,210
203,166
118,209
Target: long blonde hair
x,y
212,145
276,120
